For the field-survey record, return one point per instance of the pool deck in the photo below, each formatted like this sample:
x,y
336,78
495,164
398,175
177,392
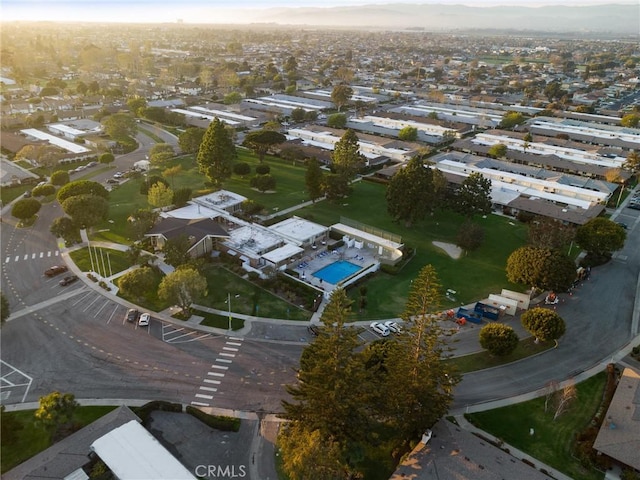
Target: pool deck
x,y
314,260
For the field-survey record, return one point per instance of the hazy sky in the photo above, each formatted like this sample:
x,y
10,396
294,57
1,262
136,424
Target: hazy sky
x,y
205,11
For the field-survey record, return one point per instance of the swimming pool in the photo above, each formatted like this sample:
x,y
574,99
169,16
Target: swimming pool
x,y
336,271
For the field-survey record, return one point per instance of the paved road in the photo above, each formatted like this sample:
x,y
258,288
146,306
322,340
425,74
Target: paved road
x,y
599,322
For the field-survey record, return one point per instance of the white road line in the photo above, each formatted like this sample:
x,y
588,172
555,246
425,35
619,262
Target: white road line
x,y
234,344
26,256
33,255
231,349
215,382
220,367
215,374
17,258
223,354
7,260
57,253
223,360
172,339
100,309
115,309
206,397
209,389
200,404
41,254
98,297
49,253
236,338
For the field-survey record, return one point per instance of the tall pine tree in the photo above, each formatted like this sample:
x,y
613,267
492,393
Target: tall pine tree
x,y
314,179
346,157
419,384
330,399
216,153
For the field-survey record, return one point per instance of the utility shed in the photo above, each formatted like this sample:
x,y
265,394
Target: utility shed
x,y
132,453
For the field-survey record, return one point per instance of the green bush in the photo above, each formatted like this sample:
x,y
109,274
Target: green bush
x,y
226,424
145,410
262,169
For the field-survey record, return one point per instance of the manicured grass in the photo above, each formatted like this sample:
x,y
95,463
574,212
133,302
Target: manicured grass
x,y
482,360
473,276
9,194
106,261
33,438
123,201
290,183
149,299
553,439
246,297
219,321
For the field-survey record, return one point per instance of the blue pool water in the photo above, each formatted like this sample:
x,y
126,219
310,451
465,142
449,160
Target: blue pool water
x,y
336,271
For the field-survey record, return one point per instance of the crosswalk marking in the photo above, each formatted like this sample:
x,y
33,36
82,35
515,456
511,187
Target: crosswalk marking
x,y
33,256
209,389
230,349
215,374
228,354
215,382
223,360
220,367
206,397
200,404
235,344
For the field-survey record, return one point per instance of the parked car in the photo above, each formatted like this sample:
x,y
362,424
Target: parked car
x,y
132,315
55,270
118,175
634,205
144,320
394,327
112,181
68,280
380,329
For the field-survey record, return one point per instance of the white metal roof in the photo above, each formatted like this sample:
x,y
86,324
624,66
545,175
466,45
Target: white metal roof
x,y
57,141
132,453
191,113
221,113
283,253
298,229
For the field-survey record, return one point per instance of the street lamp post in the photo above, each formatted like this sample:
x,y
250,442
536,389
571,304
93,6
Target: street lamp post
x,y
229,309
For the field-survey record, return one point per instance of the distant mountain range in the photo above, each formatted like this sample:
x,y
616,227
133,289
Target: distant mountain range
x,y
612,18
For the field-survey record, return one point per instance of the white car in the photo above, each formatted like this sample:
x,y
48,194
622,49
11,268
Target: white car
x,y
393,326
118,175
144,320
380,329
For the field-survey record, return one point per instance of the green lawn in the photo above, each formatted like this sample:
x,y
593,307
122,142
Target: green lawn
x,y
246,297
482,360
123,201
106,261
553,440
219,321
33,439
473,276
149,299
